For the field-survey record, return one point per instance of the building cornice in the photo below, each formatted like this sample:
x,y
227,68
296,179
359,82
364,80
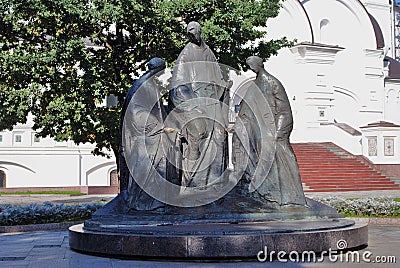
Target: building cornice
x,y
315,53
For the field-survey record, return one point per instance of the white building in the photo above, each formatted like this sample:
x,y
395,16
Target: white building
x,y
342,74
30,163
342,77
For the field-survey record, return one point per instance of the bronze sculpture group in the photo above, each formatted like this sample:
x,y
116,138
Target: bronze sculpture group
x,y
177,196
188,146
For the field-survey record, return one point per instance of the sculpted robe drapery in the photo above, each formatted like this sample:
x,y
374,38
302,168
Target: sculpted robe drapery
x,y
282,183
285,167
189,118
197,68
123,168
144,144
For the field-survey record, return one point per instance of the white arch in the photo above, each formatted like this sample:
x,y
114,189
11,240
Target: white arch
x,y
18,174
98,167
389,91
350,24
394,93
16,165
348,93
292,22
347,105
111,169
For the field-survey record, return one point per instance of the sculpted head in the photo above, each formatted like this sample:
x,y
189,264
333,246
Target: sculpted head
x,y
194,32
255,63
156,65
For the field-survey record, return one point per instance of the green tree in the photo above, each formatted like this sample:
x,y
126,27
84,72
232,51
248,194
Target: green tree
x,y
61,58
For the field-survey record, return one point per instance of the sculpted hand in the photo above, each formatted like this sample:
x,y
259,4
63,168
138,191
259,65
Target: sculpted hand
x,y
169,130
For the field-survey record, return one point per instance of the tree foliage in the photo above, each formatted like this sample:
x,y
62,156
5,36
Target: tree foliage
x,y
60,58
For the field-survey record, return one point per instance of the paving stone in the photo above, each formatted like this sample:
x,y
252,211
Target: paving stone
x,y
14,264
90,263
14,254
50,264
46,251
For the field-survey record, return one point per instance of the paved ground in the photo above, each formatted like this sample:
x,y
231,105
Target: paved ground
x,y
50,249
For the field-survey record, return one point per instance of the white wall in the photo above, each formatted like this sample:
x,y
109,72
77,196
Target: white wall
x,y
96,172
346,85
47,163
54,167
382,133
358,69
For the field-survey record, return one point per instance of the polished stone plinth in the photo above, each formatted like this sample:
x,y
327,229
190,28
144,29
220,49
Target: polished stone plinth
x,y
217,240
232,227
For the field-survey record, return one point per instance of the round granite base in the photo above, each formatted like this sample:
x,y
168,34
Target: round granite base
x,y
219,240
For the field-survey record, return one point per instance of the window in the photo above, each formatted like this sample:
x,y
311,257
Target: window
x,y
322,114
1,138
388,143
35,138
18,138
323,30
372,146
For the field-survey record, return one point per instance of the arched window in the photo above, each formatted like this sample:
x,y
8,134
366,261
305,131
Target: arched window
x,y
323,35
2,179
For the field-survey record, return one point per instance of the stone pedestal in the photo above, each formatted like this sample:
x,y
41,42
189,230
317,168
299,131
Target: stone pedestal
x,y
215,235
